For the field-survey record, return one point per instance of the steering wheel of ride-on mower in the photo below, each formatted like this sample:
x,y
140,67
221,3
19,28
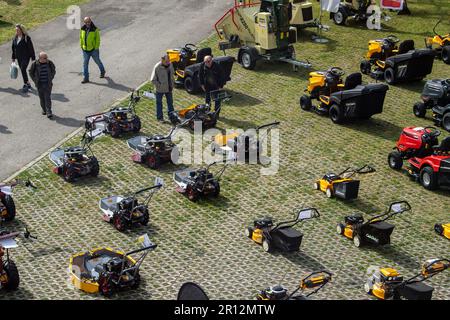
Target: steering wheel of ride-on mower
x,y
392,39
189,47
431,132
337,72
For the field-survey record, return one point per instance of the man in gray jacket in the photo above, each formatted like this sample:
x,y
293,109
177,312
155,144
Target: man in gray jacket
x,y
163,81
42,72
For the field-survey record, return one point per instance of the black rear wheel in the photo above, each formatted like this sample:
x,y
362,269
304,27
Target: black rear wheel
x,y
68,174
305,102
336,114
10,208
153,161
145,216
13,276
428,178
389,75
95,170
114,130
446,54
365,67
216,187
137,124
446,121
190,85
439,229
419,109
119,222
395,160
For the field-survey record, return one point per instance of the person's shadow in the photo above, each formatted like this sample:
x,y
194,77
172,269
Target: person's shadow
x,y
112,84
68,122
4,129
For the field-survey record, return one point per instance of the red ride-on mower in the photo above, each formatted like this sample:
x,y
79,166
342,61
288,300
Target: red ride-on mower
x,y
429,161
7,205
281,236
374,231
316,280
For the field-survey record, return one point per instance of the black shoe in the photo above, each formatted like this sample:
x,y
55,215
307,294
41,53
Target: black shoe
x,y
25,88
102,75
44,113
161,120
28,86
85,81
50,116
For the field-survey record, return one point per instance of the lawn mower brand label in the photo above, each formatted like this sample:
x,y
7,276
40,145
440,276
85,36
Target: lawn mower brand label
x,y
371,237
401,71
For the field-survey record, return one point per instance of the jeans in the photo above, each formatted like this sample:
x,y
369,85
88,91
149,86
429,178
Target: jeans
x,y
159,104
211,95
45,93
23,65
95,54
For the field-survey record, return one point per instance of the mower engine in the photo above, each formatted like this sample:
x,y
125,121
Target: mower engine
x,y
273,293
443,230
382,282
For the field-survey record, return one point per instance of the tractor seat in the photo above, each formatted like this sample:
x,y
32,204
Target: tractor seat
x,y
202,53
353,80
354,219
406,46
444,146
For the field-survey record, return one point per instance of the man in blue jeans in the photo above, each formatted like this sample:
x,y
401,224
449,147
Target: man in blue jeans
x,y
163,81
90,44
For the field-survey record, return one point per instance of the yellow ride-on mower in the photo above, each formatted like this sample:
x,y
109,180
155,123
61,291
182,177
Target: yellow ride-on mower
x,y
281,236
440,44
375,231
341,100
316,280
342,186
388,284
443,230
108,271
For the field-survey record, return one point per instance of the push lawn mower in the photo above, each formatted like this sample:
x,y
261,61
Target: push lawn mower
x,y
440,43
116,121
316,280
429,161
281,236
388,284
384,60
343,101
374,231
246,146
443,229
196,183
108,271
435,96
342,186
77,161
7,205
126,211
356,9
200,113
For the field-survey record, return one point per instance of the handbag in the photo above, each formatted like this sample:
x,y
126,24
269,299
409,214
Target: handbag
x,y
14,70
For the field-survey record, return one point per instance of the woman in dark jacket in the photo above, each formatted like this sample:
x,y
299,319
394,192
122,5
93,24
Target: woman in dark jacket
x,y
23,51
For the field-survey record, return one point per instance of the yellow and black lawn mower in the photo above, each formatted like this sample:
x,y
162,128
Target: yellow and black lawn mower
x,y
316,280
342,185
388,284
443,230
440,44
281,236
341,100
375,231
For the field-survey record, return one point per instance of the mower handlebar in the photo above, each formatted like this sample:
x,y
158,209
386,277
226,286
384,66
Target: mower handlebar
x,y
273,124
148,189
150,247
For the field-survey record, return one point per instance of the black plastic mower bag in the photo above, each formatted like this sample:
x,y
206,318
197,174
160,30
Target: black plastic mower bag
x,y
288,239
412,65
416,291
379,230
347,190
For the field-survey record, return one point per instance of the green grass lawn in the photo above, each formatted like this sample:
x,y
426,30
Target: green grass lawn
x,y
30,13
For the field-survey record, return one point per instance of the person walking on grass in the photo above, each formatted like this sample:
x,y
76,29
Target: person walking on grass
x,y
90,45
23,51
163,81
42,72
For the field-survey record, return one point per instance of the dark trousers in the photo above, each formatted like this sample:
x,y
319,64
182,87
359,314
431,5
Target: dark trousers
x,y
211,95
45,97
159,104
23,65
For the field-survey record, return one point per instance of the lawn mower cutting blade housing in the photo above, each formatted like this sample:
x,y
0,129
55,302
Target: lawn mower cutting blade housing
x,y
342,186
116,121
245,147
316,280
440,44
429,161
108,271
388,284
7,205
384,60
125,211
443,230
340,100
282,236
77,161
435,96
376,230
200,113
196,183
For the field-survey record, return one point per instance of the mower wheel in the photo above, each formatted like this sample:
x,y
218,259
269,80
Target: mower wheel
x,y
68,174
389,75
439,229
340,228
357,241
192,194
420,109
249,232
248,61
95,167
336,114
105,287
428,178
365,67
367,288
395,160
446,121
267,246
446,54
305,102
119,222
316,186
329,193
10,207
13,276
114,130
153,161
137,281
340,17
190,85
216,187
137,124
145,217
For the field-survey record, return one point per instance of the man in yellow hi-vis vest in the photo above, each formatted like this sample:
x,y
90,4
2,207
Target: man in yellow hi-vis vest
x,y
90,44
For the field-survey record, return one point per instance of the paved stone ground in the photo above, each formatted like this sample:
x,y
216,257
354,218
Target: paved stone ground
x,y
204,242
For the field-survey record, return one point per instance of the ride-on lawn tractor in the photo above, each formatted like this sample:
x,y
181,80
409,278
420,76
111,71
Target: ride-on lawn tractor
x,y
429,161
440,44
125,211
356,9
376,230
196,183
443,230
117,120
281,236
7,205
108,271
384,60
76,161
435,96
342,186
343,100
246,147
316,280
388,284
201,113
